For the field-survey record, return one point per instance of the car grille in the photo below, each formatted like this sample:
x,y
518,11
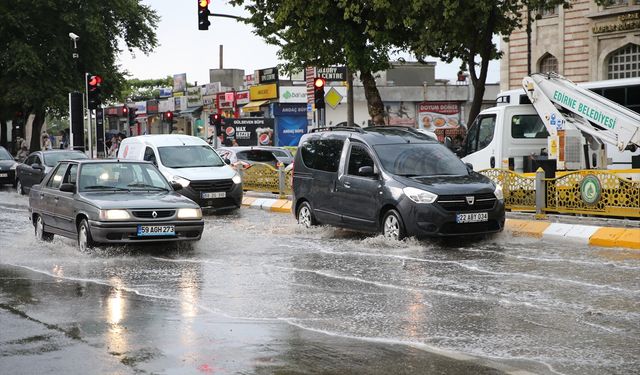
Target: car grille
x,y
212,186
161,214
458,203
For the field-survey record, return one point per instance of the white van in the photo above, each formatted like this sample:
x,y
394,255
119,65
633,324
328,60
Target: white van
x,y
190,161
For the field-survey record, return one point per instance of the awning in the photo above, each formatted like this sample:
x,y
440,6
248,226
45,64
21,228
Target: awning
x,y
189,111
254,106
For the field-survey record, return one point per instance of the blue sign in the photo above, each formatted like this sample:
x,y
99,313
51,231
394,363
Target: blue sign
x,y
290,129
289,109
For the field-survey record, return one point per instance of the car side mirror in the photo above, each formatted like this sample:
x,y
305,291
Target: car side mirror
x,y
448,142
176,186
227,161
366,171
469,166
37,166
68,188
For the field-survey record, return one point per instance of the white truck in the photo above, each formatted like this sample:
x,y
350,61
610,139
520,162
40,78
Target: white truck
x,y
567,124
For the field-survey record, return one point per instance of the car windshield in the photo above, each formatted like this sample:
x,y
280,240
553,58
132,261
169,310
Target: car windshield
x,y
420,160
262,156
189,157
5,155
281,154
52,158
121,176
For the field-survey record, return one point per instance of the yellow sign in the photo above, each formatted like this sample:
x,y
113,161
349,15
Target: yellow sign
x,y
333,98
261,92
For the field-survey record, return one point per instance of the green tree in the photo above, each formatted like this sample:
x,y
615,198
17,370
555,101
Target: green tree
x,y
144,89
37,70
323,33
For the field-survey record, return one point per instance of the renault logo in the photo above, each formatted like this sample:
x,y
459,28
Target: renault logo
x,y
470,200
155,214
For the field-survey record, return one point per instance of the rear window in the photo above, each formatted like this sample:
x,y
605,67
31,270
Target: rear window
x,y
52,158
322,154
261,156
528,126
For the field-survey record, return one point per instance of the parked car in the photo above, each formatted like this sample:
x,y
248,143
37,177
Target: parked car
x,y
257,154
38,164
7,167
399,184
112,201
205,177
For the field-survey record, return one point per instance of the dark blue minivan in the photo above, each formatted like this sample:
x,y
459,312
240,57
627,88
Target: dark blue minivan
x,y
391,180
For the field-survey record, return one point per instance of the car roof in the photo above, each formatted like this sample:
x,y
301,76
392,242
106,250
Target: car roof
x,y
55,151
245,148
163,140
376,135
110,161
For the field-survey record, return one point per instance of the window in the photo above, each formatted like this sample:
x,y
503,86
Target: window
x,y
56,179
624,63
5,155
120,176
52,158
528,126
549,63
70,177
420,159
36,160
480,133
548,12
322,154
30,160
260,156
189,157
149,155
617,3
359,157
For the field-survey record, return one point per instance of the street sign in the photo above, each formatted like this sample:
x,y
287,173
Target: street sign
x,y
333,74
333,98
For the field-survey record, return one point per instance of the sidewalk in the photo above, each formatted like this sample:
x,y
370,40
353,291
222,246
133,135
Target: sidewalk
x,y
589,231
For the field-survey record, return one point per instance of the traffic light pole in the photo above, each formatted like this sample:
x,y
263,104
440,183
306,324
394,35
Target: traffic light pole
x,y
89,127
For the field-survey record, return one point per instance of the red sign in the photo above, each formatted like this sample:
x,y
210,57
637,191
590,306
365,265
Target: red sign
x,y
445,108
228,97
222,102
242,97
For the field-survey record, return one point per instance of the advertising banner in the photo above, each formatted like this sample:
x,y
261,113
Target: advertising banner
x,y
152,107
242,97
194,97
400,114
180,82
212,88
222,101
166,105
291,129
141,108
252,131
262,92
165,92
293,94
280,109
180,103
438,115
268,75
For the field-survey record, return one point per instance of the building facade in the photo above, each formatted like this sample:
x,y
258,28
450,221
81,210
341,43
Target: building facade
x,y
587,42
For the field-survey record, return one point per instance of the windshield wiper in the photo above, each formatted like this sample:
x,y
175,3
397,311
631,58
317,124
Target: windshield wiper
x,y
148,186
105,187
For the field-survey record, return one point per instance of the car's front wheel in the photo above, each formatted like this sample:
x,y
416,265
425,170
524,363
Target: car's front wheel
x,y
392,225
85,242
19,188
305,215
41,234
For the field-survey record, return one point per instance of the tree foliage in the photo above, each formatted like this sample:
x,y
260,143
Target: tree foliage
x,y
37,70
144,89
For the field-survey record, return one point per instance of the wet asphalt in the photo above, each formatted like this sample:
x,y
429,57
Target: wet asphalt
x,y
260,295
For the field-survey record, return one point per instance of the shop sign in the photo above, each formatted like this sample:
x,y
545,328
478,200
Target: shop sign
x,y
337,73
222,102
252,131
152,107
141,108
249,80
438,115
194,96
298,109
212,88
290,130
262,92
180,103
229,96
165,92
268,75
242,97
166,105
180,82
293,94
113,111
400,113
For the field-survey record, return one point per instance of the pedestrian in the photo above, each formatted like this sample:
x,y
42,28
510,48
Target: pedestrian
x,y
23,149
64,140
45,143
113,149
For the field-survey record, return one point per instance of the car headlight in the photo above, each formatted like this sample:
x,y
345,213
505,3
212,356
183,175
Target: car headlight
x,y
114,215
419,196
181,180
236,179
189,213
498,192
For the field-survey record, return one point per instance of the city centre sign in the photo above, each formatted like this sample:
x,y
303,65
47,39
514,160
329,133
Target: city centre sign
x,y
334,74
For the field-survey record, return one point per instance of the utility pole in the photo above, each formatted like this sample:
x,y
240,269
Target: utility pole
x,y
349,97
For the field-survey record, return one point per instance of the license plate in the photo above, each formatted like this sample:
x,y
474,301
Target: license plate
x,y
156,230
4,175
475,217
221,194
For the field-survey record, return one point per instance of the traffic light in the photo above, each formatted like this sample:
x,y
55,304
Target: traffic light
x,y
214,119
318,92
131,113
203,14
93,91
168,116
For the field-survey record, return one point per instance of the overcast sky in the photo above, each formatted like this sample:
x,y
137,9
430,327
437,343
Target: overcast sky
x,y
185,49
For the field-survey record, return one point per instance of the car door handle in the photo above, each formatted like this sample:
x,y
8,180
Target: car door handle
x,y
347,184
41,196
56,199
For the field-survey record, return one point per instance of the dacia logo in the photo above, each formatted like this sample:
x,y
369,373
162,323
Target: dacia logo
x,y
470,200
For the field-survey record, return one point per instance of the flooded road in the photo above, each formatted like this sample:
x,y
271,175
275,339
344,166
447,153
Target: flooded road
x,y
260,295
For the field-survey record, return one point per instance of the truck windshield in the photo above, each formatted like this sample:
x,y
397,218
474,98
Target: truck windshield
x,y
189,157
420,160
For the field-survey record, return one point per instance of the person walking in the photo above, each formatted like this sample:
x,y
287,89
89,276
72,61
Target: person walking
x,y
45,143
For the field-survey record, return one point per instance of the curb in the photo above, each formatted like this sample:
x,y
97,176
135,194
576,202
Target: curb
x,y
578,233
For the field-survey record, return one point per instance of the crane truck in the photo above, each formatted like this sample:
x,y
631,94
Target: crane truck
x,y
565,124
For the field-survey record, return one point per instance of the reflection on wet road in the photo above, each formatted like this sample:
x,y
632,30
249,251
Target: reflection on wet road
x,y
258,294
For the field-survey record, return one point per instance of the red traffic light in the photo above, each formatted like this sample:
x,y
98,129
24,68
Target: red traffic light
x,y
125,110
319,82
95,81
168,115
216,116
203,3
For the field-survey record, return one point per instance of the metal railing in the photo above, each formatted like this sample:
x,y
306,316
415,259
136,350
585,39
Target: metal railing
x,y
586,192
265,178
